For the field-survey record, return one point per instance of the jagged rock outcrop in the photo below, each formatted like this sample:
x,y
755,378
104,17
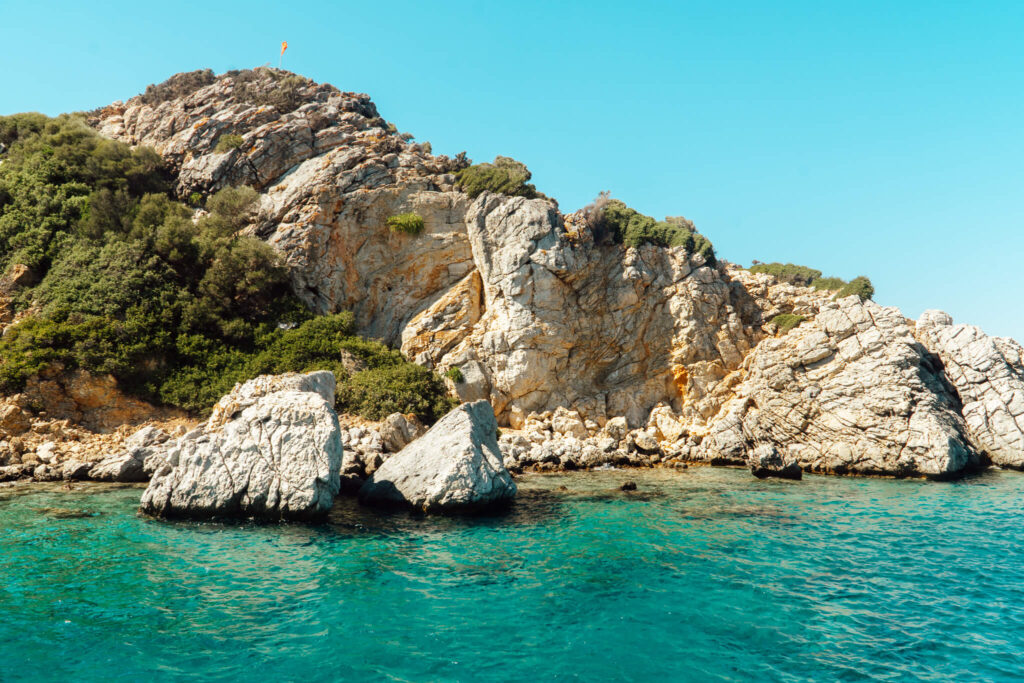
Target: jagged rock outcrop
x,y
593,353
988,374
279,457
850,392
503,286
144,452
456,465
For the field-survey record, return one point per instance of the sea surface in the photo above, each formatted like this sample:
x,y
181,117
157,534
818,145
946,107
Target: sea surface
x,y
704,575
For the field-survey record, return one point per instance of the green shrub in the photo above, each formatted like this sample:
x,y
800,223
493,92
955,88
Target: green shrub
x,y
623,225
804,276
177,311
375,393
788,272
828,283
861,286
504,176
228,142
787,321
409,223
59,178
454,374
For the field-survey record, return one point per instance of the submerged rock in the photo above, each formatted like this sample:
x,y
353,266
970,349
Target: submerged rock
x,y
456,464
766,461
278,458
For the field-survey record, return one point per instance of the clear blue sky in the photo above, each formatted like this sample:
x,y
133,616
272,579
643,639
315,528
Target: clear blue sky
x,y
876,138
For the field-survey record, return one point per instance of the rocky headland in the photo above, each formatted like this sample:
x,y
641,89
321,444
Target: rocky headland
x,y
590,351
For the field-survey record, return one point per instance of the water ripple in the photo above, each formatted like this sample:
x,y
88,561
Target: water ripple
x,y
705,574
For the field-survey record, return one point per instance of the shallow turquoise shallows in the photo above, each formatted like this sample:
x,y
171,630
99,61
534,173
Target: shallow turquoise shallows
x,y
705,574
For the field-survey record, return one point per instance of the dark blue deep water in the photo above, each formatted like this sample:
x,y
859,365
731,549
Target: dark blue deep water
x,y
705,574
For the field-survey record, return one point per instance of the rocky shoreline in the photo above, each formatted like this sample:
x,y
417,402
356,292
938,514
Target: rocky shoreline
x,y
590,352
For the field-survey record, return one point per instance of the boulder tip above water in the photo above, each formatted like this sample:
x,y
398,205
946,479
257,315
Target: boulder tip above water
x,y
274,454
455,465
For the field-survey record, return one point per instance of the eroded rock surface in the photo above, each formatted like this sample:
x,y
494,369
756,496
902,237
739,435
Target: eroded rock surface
x,y
850,392
594,354
278,458
456,465
988,374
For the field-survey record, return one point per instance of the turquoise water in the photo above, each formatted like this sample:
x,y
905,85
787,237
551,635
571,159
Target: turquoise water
x,y
706,574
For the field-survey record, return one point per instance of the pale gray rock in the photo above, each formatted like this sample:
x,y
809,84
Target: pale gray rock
x,y
15,472
850,392
75,470
456,465
145,451
46,472
988,374
279,458
245,394
397,431
474,386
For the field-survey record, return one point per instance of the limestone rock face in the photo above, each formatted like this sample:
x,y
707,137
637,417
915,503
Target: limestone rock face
x,y
456,464
850,392
622,355
599,329
988,374
535,312
278,458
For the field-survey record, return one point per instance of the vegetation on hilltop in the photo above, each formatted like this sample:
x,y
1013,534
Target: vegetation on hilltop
x,y
611,220
125,282
505,176
810,277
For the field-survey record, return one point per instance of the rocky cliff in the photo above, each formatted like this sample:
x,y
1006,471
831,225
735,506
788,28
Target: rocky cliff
x,y
562,331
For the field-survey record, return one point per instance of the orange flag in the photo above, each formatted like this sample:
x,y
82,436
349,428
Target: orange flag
x,y
284,46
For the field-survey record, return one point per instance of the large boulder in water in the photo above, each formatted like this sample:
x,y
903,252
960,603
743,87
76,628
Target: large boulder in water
x,y
455,465
275,455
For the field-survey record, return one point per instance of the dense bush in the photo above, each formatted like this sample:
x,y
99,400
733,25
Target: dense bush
x,y
409,223
454,374
613,220
861,286
828,283
787,321
177,310
59,178
228,142
504,176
